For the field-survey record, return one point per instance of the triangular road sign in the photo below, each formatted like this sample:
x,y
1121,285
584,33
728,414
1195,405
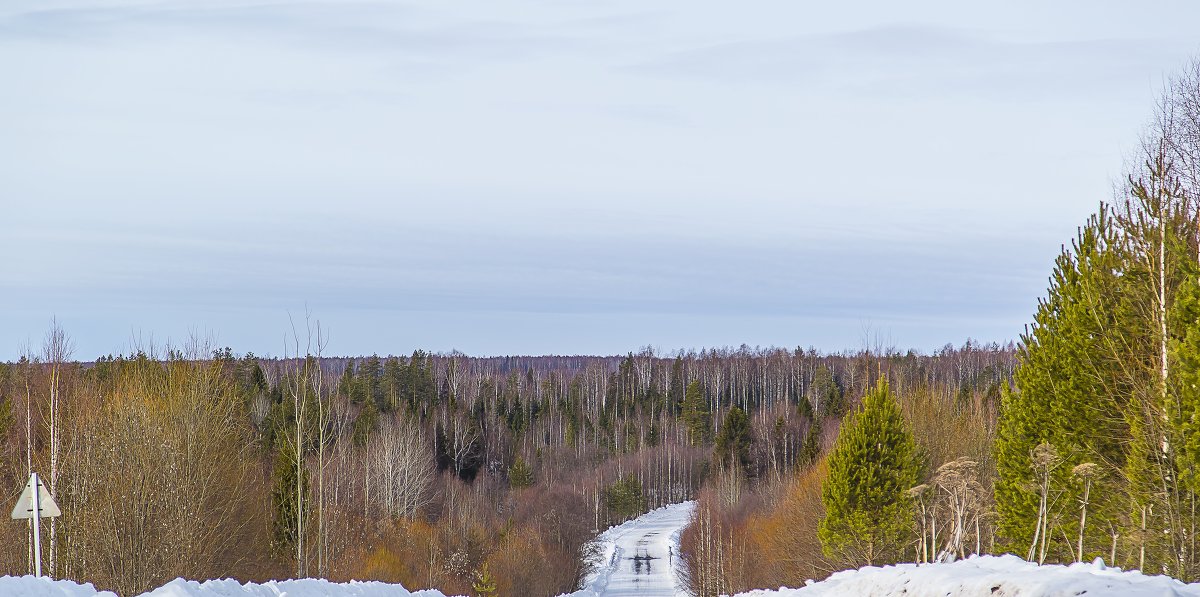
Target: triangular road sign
x,y
24,507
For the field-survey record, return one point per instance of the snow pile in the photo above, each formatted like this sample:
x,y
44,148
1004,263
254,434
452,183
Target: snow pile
x,y
31,586
308,587
988,576
639,556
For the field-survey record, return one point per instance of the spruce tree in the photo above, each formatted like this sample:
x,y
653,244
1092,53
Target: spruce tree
x,y
366,423
675,395
811,448
283,497
695,414
734,441
868,516
624,498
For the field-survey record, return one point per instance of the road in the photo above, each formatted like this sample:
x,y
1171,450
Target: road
x,y
641,557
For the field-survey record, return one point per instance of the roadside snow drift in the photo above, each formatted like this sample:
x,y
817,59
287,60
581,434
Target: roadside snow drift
x,y
31,586
988,576
640,556
284,588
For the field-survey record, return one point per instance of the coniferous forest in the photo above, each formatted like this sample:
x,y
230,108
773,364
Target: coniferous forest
x,y
489,475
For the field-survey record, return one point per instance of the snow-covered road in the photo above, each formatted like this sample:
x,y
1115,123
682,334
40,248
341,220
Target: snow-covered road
x,y
641,556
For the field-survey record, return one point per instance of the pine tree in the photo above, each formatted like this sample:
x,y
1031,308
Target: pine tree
x,y
868,516
1061,400
1159,244
520,475
484,585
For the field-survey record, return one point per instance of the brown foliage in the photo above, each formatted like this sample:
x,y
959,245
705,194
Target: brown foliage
x,y
785,536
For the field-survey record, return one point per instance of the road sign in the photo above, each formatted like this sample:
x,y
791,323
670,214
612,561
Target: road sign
x,y
43,508
35,503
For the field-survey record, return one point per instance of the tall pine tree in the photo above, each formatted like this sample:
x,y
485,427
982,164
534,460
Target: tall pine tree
x,y
1061,399
868,516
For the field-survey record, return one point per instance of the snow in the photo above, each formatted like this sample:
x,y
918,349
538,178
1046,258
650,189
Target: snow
x,y
308,587
640,556
31,586
1007,576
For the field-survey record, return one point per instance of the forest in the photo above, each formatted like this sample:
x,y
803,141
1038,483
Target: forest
x,y
429,470
489,475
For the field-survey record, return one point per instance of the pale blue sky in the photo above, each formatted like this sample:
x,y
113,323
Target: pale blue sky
x,y
558,177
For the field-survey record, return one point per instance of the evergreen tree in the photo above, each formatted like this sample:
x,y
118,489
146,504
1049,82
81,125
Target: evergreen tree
x,y
828,397
1062,399
441,448
1159,242
812,443
676,394
624,498
695,415
484,585
283,497
348,385
370,381
804,408
394,382
366,423
868,516
734,441
520,474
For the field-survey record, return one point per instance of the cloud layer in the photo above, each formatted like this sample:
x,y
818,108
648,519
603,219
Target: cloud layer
x,y
573,177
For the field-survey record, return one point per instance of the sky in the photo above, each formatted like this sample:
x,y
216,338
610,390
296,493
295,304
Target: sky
x,y
568,177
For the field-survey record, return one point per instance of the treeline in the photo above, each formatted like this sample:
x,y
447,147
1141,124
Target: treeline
x,y
1096,448
913,489
443,470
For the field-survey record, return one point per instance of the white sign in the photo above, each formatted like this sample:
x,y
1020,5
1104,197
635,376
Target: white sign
x,y
43,508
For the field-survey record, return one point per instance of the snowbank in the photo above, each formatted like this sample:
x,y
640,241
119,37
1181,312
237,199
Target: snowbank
x,y
31,586
987,576
285,588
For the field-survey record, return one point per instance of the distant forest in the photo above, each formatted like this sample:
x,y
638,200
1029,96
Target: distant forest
x,y
429,469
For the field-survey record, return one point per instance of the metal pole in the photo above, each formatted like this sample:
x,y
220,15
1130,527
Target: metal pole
x,y
37,524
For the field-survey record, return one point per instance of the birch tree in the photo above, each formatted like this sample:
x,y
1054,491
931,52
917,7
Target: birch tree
x,y
56,351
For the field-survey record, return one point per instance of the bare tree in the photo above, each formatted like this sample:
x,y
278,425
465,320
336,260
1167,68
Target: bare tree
x,y
959,483
305,381
1086,472
1045,460
402,468
56,351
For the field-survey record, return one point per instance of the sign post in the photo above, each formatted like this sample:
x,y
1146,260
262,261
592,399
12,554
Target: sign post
x,y
35,503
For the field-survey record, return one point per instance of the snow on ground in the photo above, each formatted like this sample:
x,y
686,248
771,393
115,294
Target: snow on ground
x,y
31,586
641,556
308,587
988,576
